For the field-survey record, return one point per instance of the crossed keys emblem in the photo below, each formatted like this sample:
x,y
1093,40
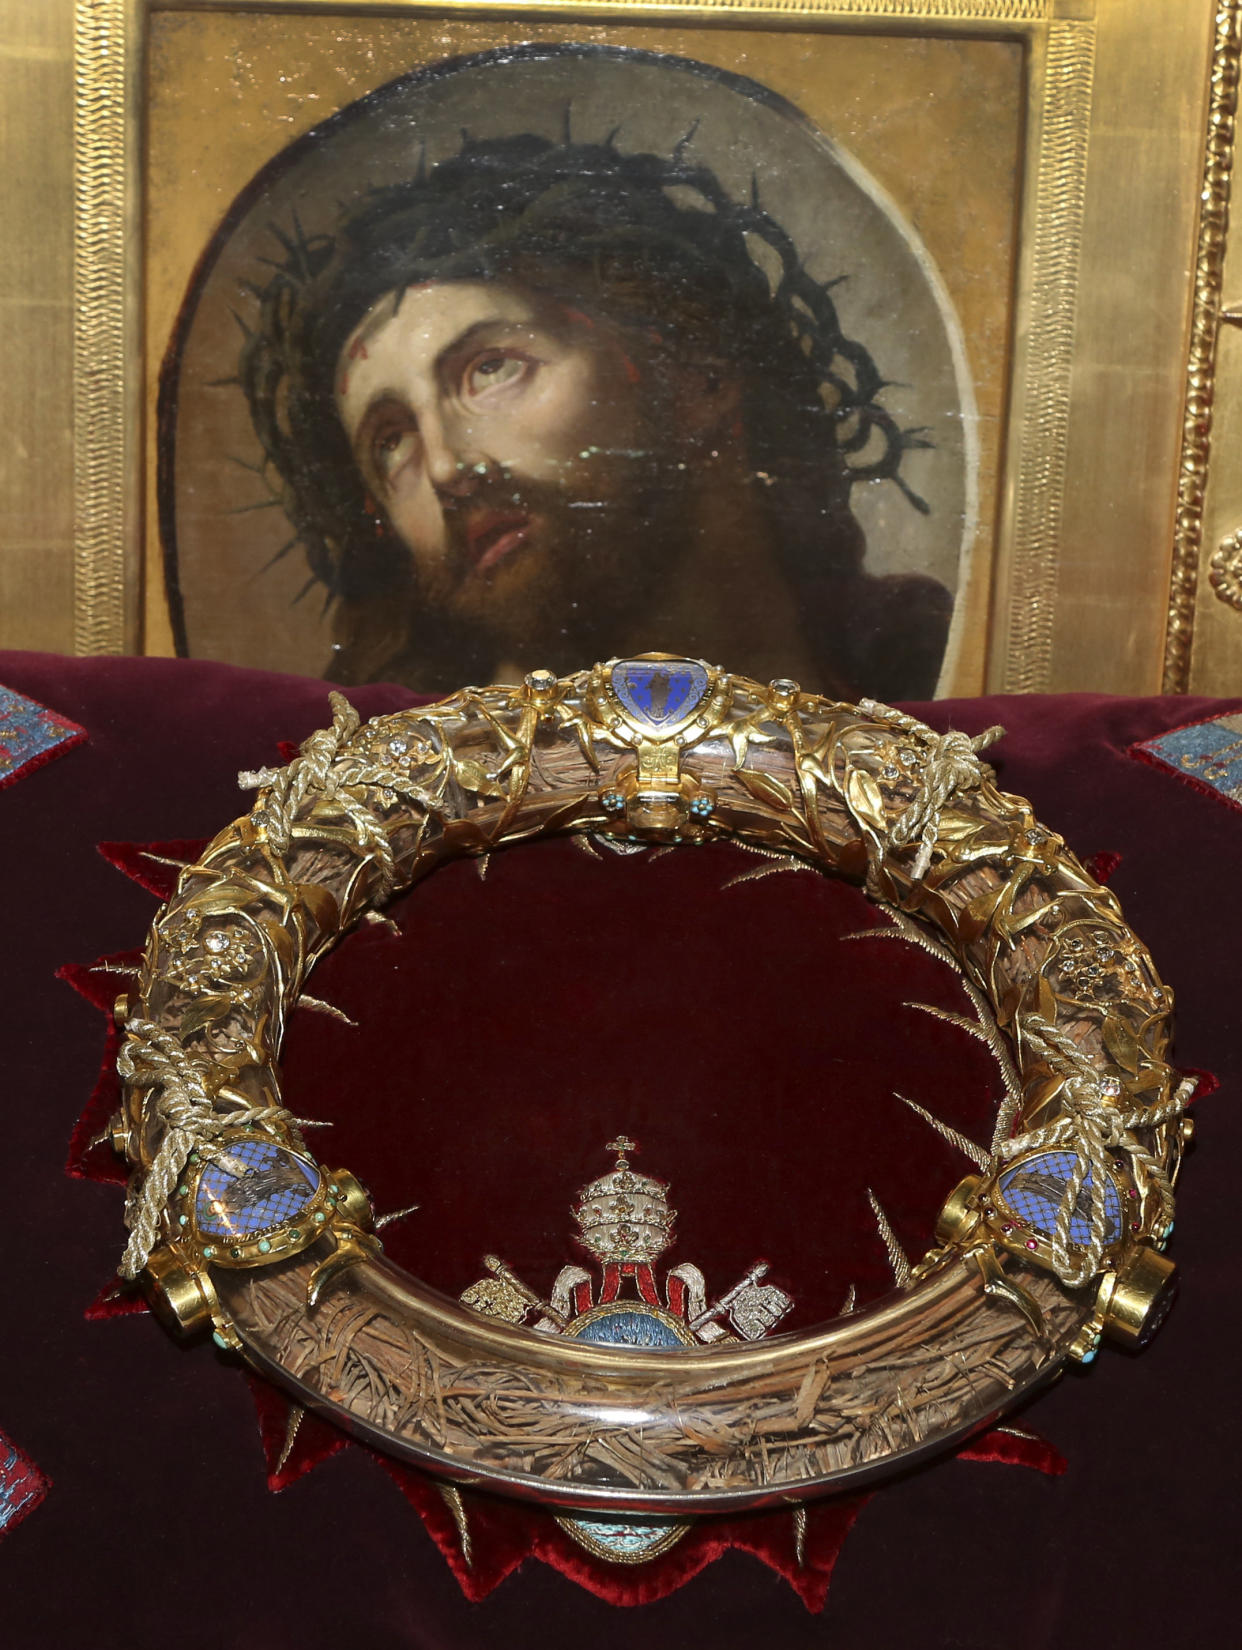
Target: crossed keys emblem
x,y
625,1224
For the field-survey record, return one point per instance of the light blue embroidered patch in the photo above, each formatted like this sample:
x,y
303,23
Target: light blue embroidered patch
x,y
1208,753
628,1541
30,735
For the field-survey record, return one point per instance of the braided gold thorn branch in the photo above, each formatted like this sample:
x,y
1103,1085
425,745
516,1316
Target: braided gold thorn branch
x,y
365,811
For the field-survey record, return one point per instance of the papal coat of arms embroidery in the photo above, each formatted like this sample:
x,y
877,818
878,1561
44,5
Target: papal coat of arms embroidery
x,y
625,1223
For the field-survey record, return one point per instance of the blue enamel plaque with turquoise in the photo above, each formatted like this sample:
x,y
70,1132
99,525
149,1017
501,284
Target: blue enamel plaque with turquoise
x,y
1033,1190
252,1186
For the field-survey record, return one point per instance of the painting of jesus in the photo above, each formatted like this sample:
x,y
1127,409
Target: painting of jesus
x,y
545,393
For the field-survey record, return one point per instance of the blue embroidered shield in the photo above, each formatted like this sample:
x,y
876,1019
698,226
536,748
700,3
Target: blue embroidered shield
x,y
659,692
1033,1191
628,1327
252,1186
628,1540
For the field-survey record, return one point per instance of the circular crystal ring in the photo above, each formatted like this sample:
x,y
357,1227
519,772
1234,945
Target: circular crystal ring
x,y
236,1227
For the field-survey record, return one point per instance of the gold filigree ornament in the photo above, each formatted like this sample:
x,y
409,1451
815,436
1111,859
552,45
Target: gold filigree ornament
x,y
1058,1240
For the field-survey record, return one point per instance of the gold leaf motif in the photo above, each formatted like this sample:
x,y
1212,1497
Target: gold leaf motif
x,y
465,836
982,908
1016,925
956,826
765,788
813,772
473,776
321,904
208,1011
282,942
1145,1081
1120,1042
864,798
853,861
1047,1001
221,901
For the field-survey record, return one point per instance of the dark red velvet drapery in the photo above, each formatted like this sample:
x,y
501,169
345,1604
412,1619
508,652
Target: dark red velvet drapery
x,y
515,1025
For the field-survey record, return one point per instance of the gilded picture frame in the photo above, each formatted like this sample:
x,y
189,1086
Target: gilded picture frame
x,y
1091,573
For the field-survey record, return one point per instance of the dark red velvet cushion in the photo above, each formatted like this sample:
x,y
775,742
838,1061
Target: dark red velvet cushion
x,y
513,1027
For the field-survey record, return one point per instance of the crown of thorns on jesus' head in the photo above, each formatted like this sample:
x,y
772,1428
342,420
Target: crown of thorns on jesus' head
x,y
653,243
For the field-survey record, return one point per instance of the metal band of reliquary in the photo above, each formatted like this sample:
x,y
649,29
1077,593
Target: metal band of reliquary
x,y
235,1226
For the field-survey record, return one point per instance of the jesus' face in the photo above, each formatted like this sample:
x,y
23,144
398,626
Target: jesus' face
x,y
517,449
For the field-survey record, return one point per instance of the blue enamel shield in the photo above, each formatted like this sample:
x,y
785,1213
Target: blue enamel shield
x,y
659,693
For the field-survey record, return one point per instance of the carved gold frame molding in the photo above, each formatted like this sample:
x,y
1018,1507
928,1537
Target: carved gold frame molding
x,y
1203,652
106,358
1120,94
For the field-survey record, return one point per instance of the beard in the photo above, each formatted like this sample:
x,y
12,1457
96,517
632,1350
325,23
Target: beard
x,y
539,573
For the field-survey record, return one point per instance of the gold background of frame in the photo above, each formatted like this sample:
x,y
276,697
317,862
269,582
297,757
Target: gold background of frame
x,y
1112,269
